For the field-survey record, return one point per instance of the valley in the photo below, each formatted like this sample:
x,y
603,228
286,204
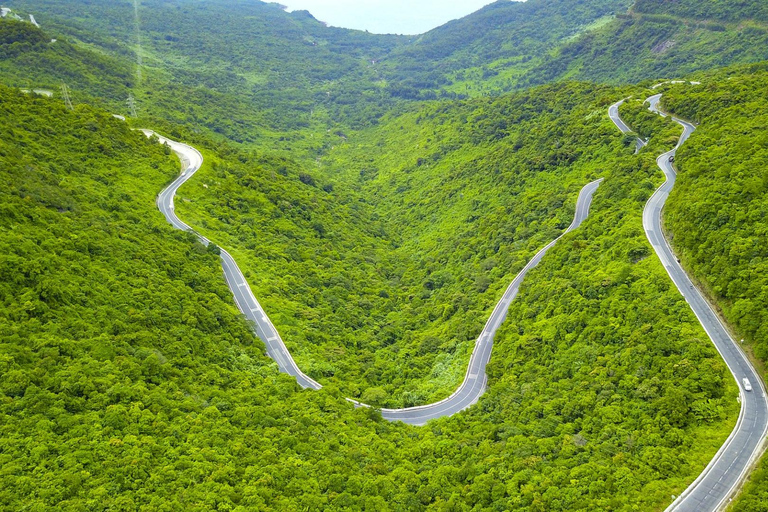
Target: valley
x,y
351,211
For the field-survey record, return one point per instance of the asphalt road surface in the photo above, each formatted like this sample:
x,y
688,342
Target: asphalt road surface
x,y
475,379
613,112
715,486
191,160
473,386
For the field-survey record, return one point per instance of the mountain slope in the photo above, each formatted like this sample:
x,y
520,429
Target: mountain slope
x,y
719,226
128,380
756,10
32,59
363,277
513,36
254,72
663,39
286,65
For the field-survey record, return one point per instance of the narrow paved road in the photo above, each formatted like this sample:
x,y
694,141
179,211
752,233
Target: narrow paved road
x,y
613,112
475,379
715,486
191,160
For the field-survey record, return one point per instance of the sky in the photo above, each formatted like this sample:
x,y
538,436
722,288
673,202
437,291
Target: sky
x,y
387,16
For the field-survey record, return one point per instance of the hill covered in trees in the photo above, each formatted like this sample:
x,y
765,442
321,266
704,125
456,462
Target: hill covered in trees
x,y
257,72
152,380
378,225
717,213
662,39
381,272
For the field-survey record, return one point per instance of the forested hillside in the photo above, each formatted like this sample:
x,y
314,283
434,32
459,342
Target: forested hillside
x,y
381,267
378,225
718,211
288,66
278,81
663,39
129,380
492,47
715,217
33,59
756,10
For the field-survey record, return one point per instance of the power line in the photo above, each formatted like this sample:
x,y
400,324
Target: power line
x,y
137,24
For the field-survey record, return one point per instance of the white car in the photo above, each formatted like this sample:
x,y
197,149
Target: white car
x,y
746,384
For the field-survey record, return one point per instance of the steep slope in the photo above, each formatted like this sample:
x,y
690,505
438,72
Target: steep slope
x,y
128,380
756,10
287,65
361,270
30,58
251,71
715,215
660,388
718,213
131,381
719,226
663,39
512,36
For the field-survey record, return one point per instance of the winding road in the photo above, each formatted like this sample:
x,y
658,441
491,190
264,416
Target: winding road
x,y
715,486
613,112
191,161
475,379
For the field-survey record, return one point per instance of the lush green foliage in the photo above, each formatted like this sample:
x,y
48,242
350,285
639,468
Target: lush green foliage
x,y
129,382
648,125
250,72
491,46
639,46
127,379
288,69
718,210
381,274
710,10
716,213
754,495
29,59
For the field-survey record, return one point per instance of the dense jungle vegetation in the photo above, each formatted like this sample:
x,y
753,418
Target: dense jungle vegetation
x,y
646,44
378,225
278,81
441,208
261,72
33,59
716,213
284,61
114,403
718,210
721,11
494,45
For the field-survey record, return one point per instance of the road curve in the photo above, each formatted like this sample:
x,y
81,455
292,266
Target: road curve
x,y
473,386
475,379
613,112
191,161
714,487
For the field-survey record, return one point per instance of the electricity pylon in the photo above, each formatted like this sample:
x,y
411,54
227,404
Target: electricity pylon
x,y
131,105
67,99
